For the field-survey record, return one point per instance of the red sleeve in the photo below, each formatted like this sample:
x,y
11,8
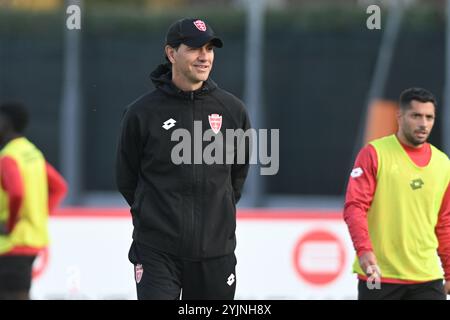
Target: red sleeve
x,y
360,190
57,187
443,233
13,185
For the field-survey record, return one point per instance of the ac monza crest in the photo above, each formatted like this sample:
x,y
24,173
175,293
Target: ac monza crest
x,y
215,121
200,25
139,271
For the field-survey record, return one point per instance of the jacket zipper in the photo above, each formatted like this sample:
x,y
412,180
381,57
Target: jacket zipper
x,y
193,248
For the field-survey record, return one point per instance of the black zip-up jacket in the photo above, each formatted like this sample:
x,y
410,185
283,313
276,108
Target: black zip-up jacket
x,y
187,210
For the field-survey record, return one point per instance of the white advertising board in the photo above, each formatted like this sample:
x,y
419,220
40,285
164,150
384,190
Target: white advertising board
x,y
282,254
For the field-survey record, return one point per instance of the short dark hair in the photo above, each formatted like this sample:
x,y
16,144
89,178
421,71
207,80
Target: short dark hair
x,y
417,94
16,113
176,46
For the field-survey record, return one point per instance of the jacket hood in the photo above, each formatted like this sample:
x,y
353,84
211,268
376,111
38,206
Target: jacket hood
x,y
162,79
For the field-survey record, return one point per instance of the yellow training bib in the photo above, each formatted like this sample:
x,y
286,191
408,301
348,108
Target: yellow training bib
x,y
31,229
404,212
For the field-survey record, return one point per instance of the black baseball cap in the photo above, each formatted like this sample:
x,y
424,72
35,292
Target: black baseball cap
x,y
192,32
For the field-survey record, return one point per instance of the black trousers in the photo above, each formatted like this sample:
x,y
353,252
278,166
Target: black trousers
x,y
15,273
160,276
433,290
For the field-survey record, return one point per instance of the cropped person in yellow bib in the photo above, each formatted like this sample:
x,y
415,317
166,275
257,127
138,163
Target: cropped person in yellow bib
x,y
397,209
30,188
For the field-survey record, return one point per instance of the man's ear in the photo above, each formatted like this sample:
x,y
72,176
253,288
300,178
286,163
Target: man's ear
x,y
400,113
169,53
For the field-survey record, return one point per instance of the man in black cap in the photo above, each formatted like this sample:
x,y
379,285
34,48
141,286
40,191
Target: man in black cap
x,y
184,214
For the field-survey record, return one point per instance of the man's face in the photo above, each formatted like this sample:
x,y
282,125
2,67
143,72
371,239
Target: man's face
x,y
416,122
194,64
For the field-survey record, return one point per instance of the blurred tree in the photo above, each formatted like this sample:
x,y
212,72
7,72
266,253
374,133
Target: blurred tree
x,y
36,5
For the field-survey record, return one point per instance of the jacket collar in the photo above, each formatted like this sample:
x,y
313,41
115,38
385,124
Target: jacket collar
x,y
162,79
